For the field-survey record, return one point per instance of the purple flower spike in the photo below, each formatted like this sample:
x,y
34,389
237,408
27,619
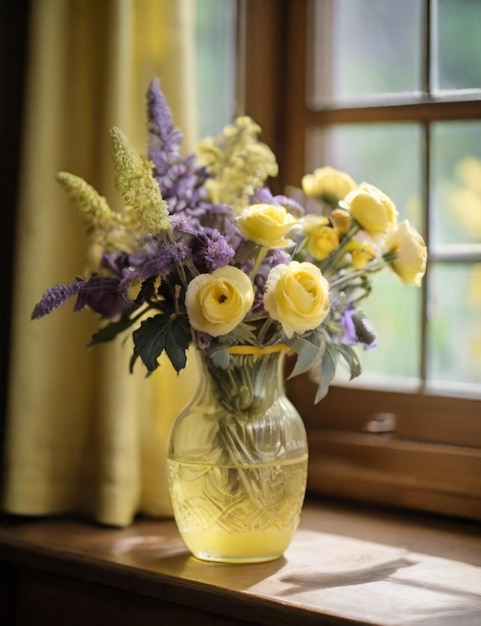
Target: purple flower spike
x,y
164,138
160,265
54,297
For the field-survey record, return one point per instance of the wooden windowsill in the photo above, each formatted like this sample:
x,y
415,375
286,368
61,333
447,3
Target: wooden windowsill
x,y
346,565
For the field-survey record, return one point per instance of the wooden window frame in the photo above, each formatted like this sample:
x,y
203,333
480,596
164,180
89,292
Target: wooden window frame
x,y
429,457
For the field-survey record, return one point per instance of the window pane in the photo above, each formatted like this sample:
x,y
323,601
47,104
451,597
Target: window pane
x,y
456,183
216,64
394,311
366,47
454,332
388,156
457,50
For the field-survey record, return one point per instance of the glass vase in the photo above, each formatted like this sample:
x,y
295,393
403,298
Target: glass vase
x,y
238,462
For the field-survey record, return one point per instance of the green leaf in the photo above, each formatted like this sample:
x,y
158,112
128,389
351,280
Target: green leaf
x,y
111,330
327,372
309,349
159,333
243,334
352,359
177,343
221,359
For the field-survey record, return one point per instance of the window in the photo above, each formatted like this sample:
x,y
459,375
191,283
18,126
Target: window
x,y
216,57
342,83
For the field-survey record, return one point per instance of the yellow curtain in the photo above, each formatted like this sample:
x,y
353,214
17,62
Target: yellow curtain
x,y
83,435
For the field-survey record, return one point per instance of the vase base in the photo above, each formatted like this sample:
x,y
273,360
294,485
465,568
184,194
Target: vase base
x,y
236,560
250,546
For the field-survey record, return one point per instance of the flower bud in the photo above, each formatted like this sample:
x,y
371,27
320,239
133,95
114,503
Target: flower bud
x,y
266,225
327,183
371,208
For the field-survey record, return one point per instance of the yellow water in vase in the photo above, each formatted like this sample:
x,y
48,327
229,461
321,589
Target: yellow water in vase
x,y
238,514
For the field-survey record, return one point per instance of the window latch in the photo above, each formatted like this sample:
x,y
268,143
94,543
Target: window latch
x,y
381,423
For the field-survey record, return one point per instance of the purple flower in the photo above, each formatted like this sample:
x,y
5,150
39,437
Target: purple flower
x,y
163,138
180,180
357,329
103,295
210,250
159,265
54,297
263,195
275,257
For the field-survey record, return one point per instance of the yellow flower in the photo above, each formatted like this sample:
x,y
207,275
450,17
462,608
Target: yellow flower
x,y
238,163
93,207
105,228
321,239
411,254
369,206
362,253
341,220
147,211
327,183
266,225
134,290
216,303
297,296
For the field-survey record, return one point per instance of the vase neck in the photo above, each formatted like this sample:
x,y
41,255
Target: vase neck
x,y
251,383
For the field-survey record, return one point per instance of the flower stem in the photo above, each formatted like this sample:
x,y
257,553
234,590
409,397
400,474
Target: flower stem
x,y
369,269
330,262
261,255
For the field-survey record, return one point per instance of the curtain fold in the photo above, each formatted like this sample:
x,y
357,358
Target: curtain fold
x,y
83,435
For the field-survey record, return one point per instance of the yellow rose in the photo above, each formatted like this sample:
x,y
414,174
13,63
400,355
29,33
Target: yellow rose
x,y
321,239
216,303
327,183
411,254
369,206
266,225
297,296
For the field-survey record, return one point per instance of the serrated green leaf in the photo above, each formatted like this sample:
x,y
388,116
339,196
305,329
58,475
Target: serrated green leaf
x,y
159,333
177,342
133,360
149,340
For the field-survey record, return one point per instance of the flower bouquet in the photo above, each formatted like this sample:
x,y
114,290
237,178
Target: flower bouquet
x,y
204,254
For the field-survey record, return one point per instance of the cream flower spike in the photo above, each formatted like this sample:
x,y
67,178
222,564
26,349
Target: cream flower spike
x,y
93,208
147,211
238,162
